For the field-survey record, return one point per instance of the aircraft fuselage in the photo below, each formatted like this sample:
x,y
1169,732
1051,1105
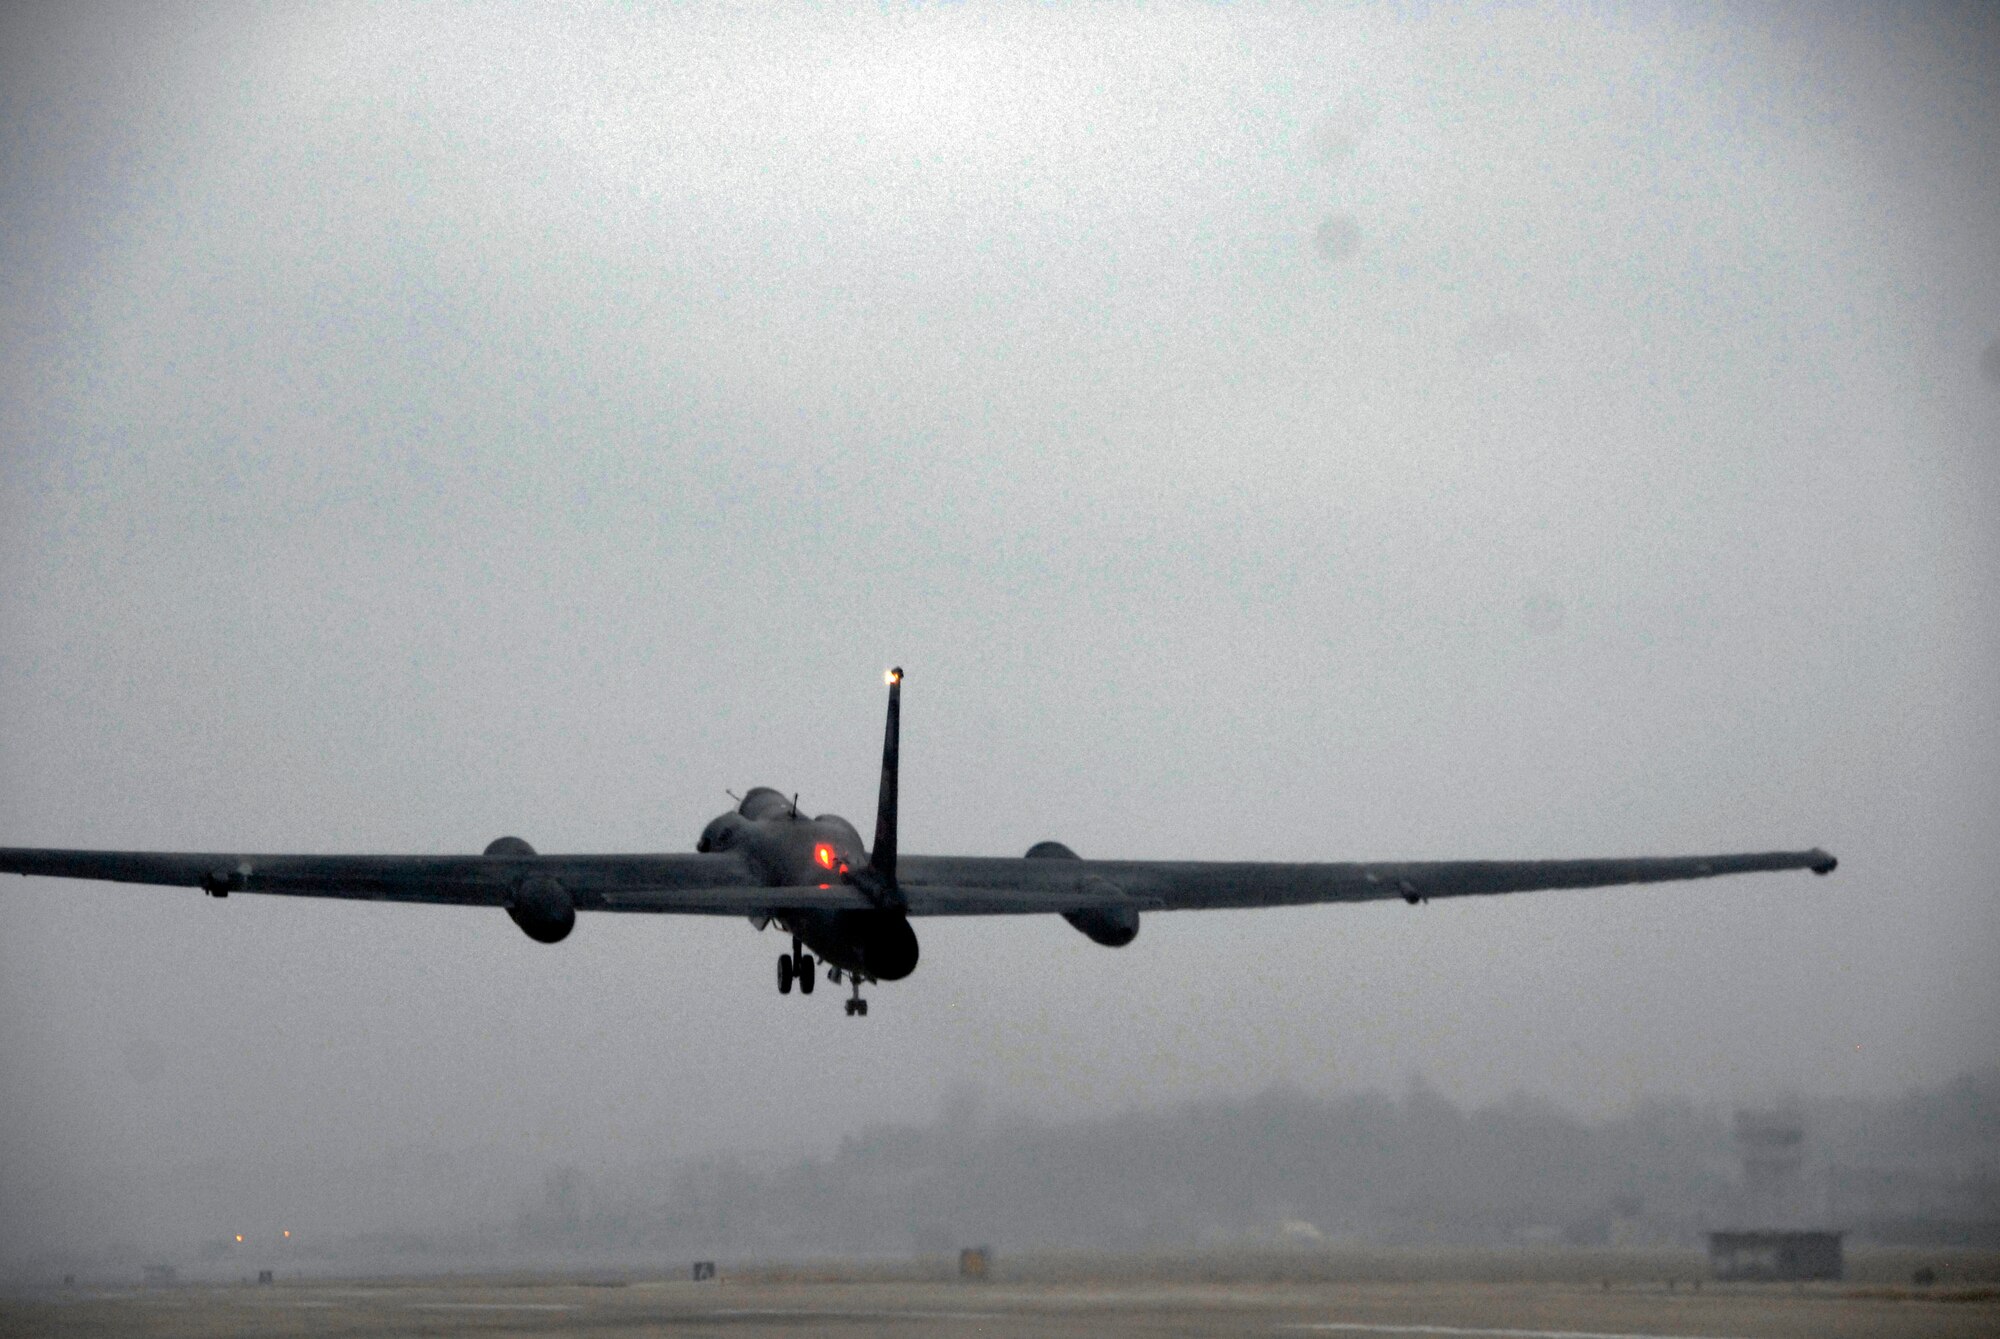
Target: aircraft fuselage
x,y
789,850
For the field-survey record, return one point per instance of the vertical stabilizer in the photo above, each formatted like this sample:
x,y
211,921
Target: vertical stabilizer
x,y
882,859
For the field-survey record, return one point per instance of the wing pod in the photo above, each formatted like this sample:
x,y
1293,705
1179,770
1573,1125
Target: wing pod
x,y
543,909
1113,927
1113,924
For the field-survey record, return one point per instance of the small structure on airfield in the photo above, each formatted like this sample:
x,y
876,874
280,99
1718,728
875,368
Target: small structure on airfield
x,y
1776,1242
1778,1255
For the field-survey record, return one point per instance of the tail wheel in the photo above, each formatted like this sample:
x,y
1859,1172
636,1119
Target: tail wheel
x,y
805,974
784,974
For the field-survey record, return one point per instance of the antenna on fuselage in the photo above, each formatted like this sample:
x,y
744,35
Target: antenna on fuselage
x,y
882,858
795,806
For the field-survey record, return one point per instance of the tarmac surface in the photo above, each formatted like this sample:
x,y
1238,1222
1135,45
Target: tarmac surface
x,y
738,1309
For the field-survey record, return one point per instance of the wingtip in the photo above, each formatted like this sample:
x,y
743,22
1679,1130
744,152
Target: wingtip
x,y
1823,862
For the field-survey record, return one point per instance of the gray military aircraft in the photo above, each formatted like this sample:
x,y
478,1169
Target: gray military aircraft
x,y
852,905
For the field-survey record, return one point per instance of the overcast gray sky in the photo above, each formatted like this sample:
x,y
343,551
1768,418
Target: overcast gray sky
x,y
1260,433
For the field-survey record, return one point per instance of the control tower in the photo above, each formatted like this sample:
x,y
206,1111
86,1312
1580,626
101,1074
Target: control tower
x,y
1771,1145
1773,1241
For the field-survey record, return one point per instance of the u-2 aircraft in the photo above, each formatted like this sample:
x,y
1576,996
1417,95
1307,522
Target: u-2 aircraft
x,y
851,905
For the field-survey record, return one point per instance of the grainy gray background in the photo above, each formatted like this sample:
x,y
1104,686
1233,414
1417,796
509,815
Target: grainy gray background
x,y
1487,432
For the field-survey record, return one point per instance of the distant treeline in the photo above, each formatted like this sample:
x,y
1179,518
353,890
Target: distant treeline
x,y
1287,1167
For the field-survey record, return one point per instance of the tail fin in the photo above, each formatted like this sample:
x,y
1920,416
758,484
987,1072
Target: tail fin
x,y
882,859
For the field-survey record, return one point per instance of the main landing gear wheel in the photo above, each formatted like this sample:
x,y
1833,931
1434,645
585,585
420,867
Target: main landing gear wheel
x,y
796,966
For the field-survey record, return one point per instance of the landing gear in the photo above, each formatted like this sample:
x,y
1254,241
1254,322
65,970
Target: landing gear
x,y
800,968
796,966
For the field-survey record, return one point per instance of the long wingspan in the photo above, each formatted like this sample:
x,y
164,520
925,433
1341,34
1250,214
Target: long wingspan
x,y
723,885
719,885
944,885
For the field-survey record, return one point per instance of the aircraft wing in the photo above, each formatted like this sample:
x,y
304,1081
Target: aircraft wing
x,y
716,885
981,885
723,884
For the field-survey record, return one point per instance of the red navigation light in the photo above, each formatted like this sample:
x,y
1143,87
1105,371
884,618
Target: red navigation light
x,y
823,854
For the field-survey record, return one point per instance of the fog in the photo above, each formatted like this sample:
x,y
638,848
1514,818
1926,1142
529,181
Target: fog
x,y
1270,434
1276,1182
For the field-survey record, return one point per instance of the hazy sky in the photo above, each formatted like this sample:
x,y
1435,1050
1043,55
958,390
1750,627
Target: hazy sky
x,y
1260,433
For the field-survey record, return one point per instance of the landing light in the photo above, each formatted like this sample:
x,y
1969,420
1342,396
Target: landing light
x,y
239,1238
892,676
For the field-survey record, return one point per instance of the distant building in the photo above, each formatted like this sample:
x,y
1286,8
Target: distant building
x,y
1780,1255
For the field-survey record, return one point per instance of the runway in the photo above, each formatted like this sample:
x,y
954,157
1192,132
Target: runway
x,y
752,1310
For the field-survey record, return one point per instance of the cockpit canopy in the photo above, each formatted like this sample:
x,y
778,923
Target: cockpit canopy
x,y
762,802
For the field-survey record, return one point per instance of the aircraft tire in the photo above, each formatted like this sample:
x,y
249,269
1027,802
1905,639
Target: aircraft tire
x,y
806,974
784,973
